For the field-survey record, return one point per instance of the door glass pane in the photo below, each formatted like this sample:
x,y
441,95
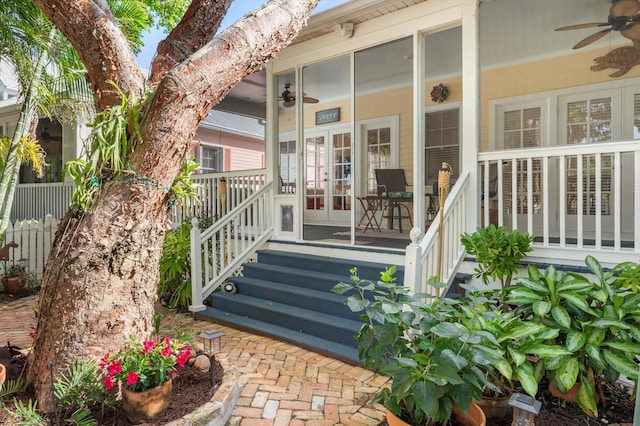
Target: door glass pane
x,y
315,151
342,171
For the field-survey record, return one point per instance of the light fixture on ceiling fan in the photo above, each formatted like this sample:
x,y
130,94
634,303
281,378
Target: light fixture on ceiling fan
x,y
624,16
289,98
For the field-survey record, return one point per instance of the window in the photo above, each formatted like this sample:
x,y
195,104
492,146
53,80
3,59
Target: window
x,y
287,163
589,121
442,142
212,159
521,127
378,154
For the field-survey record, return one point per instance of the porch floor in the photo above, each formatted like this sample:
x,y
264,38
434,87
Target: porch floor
x,y
385,238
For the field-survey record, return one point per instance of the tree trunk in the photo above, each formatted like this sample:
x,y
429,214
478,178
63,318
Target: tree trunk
x,y
99,284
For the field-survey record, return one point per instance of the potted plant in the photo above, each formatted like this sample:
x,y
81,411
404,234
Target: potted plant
x,y
497,252
143,370
522,343
14,278
598,324
438,365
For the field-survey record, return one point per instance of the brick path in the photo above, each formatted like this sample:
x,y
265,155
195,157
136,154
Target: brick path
x,y
281,384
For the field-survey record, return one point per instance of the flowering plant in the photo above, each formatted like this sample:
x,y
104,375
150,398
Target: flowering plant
x,y
141,366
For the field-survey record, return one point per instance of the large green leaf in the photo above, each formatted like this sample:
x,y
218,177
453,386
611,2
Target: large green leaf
x,y
621,364
586,399
446,329
424,393
575,341
545,351
579,302
565,377
525,375
561,316
541,307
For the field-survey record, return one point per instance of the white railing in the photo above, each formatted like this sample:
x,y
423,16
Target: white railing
x,y
219,251
34,239
423,254
37,200
574,199
220,193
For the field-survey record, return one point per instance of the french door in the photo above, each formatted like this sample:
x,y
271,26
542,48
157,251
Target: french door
x,y
328,177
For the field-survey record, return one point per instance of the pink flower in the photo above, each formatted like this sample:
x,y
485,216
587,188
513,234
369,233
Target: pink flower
x,y
103,360
167,351
114,368
147,346
108,383
132,378
183,356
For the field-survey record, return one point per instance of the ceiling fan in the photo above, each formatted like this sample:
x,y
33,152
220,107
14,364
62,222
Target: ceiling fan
x,y
47,137
624,16
289,98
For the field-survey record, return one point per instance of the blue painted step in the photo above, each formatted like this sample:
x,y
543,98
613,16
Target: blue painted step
x,y
288,295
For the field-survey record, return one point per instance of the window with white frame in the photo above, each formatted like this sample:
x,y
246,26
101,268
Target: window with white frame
x,y
442,142
521,126
287,163
211,160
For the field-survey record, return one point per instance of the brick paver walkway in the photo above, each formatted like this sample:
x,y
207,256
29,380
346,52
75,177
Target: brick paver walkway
x,y
280,384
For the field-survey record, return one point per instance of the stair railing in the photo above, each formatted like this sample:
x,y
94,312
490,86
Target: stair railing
x,y
421,261
219,251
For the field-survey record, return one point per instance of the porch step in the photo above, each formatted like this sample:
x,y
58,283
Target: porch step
x,y
288,296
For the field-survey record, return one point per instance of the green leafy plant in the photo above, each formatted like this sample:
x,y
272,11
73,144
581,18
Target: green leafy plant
x,y
497,252
110,141
521,342
435,361
78,390
26,415
139,366
598,323
174,288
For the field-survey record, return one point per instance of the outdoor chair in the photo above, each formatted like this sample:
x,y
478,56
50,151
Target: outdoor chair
x,y
392,188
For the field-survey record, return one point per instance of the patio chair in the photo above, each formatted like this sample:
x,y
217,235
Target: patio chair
x,y
392,188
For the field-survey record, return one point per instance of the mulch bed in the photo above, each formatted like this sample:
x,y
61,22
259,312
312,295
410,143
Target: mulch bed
x,y
191,389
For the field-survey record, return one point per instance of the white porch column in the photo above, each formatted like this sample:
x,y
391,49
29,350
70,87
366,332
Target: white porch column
x,y
471,105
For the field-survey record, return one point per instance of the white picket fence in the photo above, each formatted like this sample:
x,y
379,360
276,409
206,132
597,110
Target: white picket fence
x,y
34,239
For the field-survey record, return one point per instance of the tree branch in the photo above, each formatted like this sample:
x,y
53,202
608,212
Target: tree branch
x,y
102,47
201,81
197,27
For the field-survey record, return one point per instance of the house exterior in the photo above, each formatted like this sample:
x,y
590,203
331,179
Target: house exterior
x,y
489,87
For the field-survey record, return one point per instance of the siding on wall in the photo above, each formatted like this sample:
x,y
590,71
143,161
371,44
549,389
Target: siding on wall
x,y
241,153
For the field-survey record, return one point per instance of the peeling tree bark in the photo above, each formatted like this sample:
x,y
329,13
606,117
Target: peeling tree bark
x,y
99,284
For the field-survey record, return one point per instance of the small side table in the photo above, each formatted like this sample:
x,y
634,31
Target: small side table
x,y
370,204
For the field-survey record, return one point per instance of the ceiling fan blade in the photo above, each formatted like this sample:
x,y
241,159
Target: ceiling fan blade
x,y
593,37
310,100
580,26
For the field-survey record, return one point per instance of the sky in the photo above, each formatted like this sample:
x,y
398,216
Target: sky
x,y
237,10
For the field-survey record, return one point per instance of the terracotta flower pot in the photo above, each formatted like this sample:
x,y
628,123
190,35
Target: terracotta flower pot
x,y
3,374
474,417
13,285
495,407
146,405
571,394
